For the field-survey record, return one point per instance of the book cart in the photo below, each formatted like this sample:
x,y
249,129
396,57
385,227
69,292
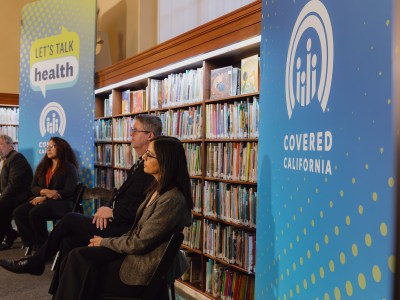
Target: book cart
x,y
220,136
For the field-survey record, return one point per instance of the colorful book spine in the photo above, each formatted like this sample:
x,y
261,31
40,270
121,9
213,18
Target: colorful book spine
x,y
239,119
126,102
230,244
232,161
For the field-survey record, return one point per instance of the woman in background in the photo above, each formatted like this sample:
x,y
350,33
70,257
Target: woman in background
x,y
53,186
122,266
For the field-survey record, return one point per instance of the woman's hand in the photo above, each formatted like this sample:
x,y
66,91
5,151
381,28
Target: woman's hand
x,y
95,241
37,200
52,194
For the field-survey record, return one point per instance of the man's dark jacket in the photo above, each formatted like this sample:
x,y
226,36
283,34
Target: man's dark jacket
x,y
16,178
127,198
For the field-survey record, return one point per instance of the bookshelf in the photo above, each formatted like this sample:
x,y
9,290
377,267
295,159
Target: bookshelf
x,y
9,121
220,136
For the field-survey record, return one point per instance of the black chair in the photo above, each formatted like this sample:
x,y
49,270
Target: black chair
x,y
83,192
158,288
78,196
76,207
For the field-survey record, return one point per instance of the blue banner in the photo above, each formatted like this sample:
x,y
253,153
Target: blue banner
x,y
327,177
57,79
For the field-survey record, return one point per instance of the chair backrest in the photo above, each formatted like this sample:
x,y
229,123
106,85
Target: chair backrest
x,y
158,280
159,276
78,194
99,193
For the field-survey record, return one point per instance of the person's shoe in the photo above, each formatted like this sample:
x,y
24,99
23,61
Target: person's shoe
x,y
7,242
23,265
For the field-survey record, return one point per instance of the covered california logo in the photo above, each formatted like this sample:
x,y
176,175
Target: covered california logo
x,y
52,119
309,63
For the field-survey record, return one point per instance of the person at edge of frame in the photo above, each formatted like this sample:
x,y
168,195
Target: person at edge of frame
x,y
15,188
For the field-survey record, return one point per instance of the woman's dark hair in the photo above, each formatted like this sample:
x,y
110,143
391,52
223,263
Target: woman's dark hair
x,y
64,154
173,167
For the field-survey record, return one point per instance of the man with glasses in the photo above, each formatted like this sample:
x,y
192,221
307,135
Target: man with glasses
x,y
15,188
111,220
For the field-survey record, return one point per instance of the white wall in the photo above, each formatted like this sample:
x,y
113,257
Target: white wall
x,y
178,16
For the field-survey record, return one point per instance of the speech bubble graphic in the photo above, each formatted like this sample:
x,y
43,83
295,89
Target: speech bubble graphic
x,y
54,61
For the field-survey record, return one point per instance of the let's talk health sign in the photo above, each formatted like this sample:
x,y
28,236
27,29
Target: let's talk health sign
x,y
55,61
57,79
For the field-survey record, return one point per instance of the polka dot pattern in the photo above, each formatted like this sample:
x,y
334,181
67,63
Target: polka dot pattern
x,y
337,229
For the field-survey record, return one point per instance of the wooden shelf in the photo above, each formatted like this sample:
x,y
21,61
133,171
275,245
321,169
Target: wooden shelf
x,y
11,100
233,266
240,226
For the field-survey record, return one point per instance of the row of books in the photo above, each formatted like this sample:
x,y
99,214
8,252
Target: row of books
x,y
11,131
187,87
124,156
193,156
230,81
9,115
177,89
103,154
239,119
103,178
133,101
102,130
232,161
122,129
196,194
230,244
229,202
183,123
192,234
226,284
108,104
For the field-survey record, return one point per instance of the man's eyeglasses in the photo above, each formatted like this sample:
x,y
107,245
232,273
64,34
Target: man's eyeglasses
x,y
149,154
134,130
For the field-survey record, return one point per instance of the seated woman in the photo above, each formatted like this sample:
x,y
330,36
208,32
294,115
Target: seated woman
x,y
122,266
53,187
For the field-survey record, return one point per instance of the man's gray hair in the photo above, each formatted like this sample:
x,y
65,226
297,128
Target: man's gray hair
x,y
150,123
7,139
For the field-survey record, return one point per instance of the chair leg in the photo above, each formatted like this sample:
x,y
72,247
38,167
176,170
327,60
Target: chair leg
x,y
55,261
172,291
28,250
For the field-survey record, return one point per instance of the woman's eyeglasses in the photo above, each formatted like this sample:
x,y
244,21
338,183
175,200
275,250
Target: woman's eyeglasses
x,y
149,154
50,146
